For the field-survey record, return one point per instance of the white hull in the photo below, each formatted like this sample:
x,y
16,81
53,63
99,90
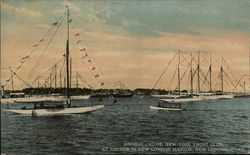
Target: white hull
x,y
84,97
225,96
168,109
51,112
181,100
214,97
30,99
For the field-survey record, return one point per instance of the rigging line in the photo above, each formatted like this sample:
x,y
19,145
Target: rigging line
x,y
83,79
21,79
184,58
205,78
238,82
205,81
85,82
38,61
45,49
74,26
94,60
35,80
87,66
183,74
204,60
217,77
172,79
227,82
194,73
33,50
41,75
188,80
164,71
229,78
235,79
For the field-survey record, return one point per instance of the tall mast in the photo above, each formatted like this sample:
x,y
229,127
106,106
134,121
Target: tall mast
x,y
221,74
191,74
55,74
12,81
77,81
67,57
60,74
244,83
70,73
38,81
198,72
210,73
179,82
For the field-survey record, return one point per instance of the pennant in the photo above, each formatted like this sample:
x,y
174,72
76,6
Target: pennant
x,y
78,41
77,34
7,80
64,55
18,66
93,68
85,55
55,23
25,57
83,49
102,83
89,60
41,40
97,75
35,45
70,20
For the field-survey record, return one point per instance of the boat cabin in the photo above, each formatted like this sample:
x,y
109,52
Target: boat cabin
x,y
17,95
47,105
164,104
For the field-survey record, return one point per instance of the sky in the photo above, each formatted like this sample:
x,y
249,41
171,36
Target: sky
x,y
129,41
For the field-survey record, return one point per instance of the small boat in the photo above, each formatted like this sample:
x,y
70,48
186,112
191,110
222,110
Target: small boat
x,y
164,105
169,109
242,96
181,100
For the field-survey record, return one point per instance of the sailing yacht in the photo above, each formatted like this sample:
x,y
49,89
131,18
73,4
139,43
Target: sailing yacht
x,y
56,107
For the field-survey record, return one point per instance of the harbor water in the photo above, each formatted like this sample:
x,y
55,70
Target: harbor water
x,y
130,127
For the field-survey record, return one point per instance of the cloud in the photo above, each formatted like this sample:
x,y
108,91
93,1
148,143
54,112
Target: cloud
x,y
42,26
130,23
58,11
71,5
21,11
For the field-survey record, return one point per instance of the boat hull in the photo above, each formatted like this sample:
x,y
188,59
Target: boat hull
x,y
51,112
168,109
181,100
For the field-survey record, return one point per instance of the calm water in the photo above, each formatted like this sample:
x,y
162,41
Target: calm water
x,y
129,126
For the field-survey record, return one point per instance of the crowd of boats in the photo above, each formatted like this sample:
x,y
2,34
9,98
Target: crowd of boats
x,y
55,104
61,104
